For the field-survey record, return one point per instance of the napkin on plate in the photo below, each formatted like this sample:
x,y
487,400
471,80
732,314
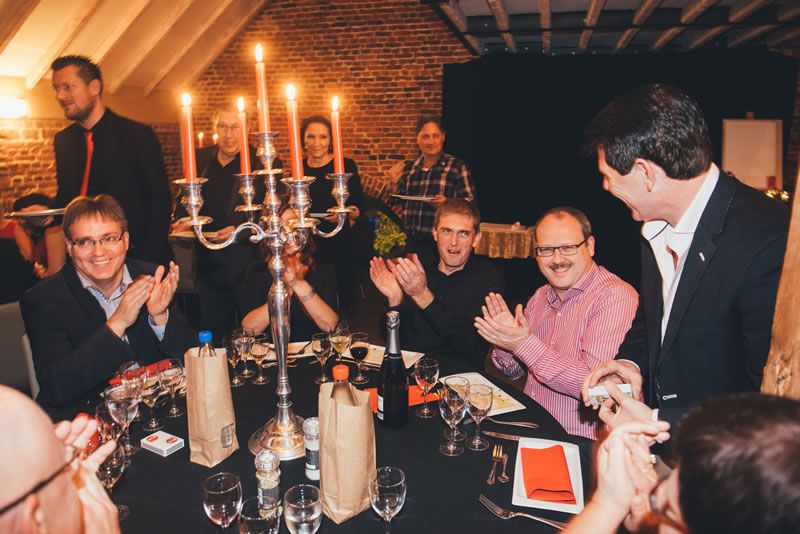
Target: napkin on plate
x,y
546,475
414,397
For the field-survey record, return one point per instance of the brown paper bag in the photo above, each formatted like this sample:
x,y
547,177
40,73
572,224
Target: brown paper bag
x,y
212,423
346,454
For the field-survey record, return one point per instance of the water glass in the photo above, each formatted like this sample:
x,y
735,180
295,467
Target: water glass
x,y
110,472
259,351
150,394
233,359
172,380
243,340
459,384
479,402
451,406
426,373
321,345
222,498
302,509
122,406
387,493
259,516
359,348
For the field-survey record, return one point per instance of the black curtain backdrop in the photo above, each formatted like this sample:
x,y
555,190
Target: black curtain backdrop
x,y
518,121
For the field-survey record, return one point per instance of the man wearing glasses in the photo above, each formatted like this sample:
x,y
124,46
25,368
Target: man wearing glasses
x,y
101,310
570,325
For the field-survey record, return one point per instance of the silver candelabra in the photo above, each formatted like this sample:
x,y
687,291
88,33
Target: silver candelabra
x,y
283,434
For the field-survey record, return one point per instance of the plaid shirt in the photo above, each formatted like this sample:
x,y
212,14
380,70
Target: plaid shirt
x,y
449,177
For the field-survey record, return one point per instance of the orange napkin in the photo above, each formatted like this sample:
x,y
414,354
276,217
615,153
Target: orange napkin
x,y
151,369
546,475
414,397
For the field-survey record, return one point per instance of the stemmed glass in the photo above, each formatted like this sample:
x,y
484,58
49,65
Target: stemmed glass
x,y
150,394
426,373
387,493
451,406
259,351
122,406
243,340
321,345
222,498
359,348
133,375
459,384
340,339
172,380
302,509
108,428
109,473
260,515
233,360
479,402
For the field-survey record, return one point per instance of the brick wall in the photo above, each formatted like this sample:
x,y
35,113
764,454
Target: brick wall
x,y
383,59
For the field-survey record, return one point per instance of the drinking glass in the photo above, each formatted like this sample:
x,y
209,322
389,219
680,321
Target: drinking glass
x,y
426,373
387,493
122,406
259,351
321,345
459,384
359,348
340,339
109,473
243,340
108,428
479,402
133,376
233,360
172,380
302,509
451,406
222,498
150,394
259,516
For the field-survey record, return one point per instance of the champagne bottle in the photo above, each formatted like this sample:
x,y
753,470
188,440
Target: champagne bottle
x,y
393,378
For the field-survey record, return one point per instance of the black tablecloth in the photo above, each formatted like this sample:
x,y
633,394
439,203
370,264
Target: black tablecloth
x,y
164,494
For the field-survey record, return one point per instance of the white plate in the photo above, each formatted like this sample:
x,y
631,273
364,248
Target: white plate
x,y
375,356
293,347
502,402
412,197
571,453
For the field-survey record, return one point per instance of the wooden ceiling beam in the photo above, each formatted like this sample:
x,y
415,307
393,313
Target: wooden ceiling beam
x,y
546,22
592,16
690,12
789,10
111,37
783,36
498,9
12,16
748,35
744,8
639,16
453,11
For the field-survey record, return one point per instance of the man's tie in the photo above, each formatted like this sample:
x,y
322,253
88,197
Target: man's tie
x,y
89,152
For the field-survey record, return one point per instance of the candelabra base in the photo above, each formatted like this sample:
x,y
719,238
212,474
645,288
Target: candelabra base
x,y
285,440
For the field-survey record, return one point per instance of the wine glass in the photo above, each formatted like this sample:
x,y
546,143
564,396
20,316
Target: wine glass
x,y
426,373
150,394
321,345
109,473
233,360
108,428
243,340
451,406
133,375
122,406
479,402
340,339
359,348
387,493
259,351
302,509
260,515
222,498
172,380
459,384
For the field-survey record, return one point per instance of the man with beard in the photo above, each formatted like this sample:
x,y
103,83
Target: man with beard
x,y
570,326
437,301
102,152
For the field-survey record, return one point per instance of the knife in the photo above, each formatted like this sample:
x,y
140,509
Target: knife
x,y
500,435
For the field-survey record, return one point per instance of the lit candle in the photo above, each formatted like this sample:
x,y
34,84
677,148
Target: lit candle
x,y
200,140
338,155
187,138
294,132
261,88
215,137
244,150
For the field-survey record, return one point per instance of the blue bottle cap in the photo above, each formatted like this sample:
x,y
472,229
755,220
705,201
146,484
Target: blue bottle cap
x,y
204,336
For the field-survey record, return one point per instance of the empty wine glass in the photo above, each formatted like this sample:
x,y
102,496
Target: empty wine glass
x,y
321,345
479,402
108,428
260,515
459,384
340,339
451,406
243,340
387,493
222,498
359,348
426,373
150,394
109,473
302,509
233,360
122,406
172,380
259,351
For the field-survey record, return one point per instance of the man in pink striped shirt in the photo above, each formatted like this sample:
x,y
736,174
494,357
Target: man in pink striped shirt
x,y
569,326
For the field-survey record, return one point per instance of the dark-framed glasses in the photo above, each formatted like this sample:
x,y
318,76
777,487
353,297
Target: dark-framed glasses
x,y
566,250
73,453
106,241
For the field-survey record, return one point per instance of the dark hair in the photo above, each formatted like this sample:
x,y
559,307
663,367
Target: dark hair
x,y
30,199
738,465
458,206
658,123
586,226
102,206
425,119
319,119
87,69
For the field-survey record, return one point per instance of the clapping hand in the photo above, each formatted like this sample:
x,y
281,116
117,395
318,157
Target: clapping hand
x,y
134,297
499,326
410,274
295,271
161,294
385,281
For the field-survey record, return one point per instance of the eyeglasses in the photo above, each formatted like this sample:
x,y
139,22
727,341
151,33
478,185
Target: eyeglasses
x,y
566,250
661,508
72,454
107,241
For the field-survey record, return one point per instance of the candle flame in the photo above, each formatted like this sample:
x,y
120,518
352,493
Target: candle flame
x,y
186,100
215,137
259,53
240,104
200,136
335,104
291,92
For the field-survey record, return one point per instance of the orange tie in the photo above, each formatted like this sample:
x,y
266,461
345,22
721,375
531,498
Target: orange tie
x,y
89,152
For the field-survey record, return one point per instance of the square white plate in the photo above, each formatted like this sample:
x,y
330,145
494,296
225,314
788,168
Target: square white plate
x,y
571,453
293,347
502,402
375,356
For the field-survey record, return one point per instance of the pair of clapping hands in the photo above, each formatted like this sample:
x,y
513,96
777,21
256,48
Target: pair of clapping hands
x,y
154,291
397,276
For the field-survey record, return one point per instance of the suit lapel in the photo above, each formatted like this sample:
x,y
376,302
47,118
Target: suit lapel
x,y
652,303
82,296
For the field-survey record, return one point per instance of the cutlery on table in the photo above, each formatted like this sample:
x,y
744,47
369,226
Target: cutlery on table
x,y
501,435
502,513
497,455
522,424
503,477
301,351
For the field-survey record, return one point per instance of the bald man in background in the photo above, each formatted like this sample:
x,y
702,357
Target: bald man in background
x,y
34,453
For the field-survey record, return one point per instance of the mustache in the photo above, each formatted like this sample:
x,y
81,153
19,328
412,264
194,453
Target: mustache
x,y
555,266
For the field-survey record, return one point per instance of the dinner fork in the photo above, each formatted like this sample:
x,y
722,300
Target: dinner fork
x,y
497,455
502,513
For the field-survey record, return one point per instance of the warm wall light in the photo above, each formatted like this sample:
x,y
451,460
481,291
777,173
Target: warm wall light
x,y
13,108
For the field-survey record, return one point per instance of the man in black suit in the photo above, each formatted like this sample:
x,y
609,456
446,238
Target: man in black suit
x,y
102,152
712,250
101,310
